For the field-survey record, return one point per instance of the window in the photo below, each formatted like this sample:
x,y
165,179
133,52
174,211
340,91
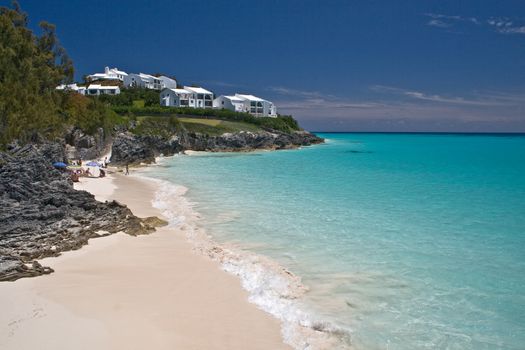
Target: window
x,y
252,104
200,96
259,104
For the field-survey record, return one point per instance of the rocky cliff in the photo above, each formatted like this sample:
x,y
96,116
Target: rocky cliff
x,y
129,148
42,214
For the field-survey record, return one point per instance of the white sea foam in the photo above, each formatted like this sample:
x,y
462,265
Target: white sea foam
x,y
271,287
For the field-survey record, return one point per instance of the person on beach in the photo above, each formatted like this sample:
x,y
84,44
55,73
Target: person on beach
x,y
105,164
102,173
127,169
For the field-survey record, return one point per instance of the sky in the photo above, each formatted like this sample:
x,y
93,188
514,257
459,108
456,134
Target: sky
x,y
412,65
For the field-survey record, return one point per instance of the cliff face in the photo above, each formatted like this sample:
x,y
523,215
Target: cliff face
x,y
130,148
42,214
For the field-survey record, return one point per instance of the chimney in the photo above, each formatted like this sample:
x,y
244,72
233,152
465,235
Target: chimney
x,y
106,70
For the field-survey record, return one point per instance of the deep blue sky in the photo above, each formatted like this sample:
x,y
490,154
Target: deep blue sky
x,y
413,65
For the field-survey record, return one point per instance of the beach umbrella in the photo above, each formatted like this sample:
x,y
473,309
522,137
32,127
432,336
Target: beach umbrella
x,y
92,164
59,165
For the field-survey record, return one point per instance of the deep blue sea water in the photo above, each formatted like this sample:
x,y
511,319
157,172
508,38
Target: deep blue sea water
x,y
406,241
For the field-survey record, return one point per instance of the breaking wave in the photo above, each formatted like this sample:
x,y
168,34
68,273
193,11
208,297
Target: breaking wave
x,y
271,287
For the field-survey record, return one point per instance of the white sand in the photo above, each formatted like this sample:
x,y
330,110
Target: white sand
x,y
123,292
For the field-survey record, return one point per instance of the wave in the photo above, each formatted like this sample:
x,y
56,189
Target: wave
x,y
271,287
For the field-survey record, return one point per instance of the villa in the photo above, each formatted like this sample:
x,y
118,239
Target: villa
x,y
195,97
96,90
246,103
109,74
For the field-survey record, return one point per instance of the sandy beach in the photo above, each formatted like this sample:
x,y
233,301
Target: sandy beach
x,y
123,292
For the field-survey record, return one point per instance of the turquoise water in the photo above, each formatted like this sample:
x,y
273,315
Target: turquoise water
x,y
406,241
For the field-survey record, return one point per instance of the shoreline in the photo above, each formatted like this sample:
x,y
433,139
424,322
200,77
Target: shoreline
x,y
271,287
128,292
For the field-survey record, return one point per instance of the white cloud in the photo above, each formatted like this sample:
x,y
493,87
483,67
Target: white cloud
x,y
502,25
418,95
438,23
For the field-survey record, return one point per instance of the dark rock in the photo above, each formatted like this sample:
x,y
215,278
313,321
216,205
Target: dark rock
x,y
132,149
42,214
85,146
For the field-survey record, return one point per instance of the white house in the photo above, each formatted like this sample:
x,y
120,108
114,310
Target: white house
x,y
175,97
96,90
246,103
109,74
142,80
200,98
233,103
195,97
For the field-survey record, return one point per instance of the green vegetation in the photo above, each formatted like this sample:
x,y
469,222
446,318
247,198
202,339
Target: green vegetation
x,y
30,68
215,126
134,97
281,123
157,126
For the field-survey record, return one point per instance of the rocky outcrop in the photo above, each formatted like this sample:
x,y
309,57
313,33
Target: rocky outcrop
x,y
42,214
131,149
79,145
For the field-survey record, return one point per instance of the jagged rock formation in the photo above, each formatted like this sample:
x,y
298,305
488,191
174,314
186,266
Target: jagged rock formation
x,y
80,145
42,214
129,148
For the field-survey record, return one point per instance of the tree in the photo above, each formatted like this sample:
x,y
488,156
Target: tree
x,y
30,69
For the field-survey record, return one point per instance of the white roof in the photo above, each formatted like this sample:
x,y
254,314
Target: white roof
x,y
116,71
180,91
234,98
249,97
101,75
147,76
100,87
198,90
165,78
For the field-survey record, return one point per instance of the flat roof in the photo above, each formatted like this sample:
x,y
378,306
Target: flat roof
x,y
103,87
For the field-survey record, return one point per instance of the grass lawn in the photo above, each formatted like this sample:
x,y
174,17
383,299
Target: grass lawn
x,y
216,127
211,127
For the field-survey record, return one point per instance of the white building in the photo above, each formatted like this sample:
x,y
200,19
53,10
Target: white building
x,y
175,97
72,87
96,90
246,103
109,74
166,82
195,97
145,81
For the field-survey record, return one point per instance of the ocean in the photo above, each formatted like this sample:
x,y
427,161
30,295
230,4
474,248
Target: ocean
x,y
404,241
